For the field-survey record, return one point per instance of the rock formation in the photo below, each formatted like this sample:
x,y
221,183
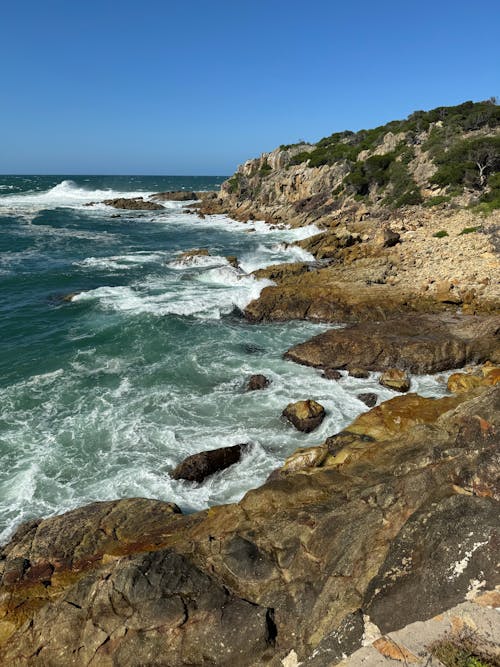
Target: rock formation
x,y
410,512
133,204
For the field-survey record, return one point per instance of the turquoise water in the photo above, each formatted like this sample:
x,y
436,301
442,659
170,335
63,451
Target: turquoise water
x,y
101,396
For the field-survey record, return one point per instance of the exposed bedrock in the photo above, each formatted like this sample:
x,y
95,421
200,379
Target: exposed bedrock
x,y
410,512
133,204
416,343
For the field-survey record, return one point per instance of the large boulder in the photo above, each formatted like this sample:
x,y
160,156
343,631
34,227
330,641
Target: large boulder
x,y
416,343
196,467
395,379
305,415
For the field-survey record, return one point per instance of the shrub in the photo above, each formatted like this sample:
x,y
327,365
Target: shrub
x,y
468,649
438,199
265,169
468,230
441,234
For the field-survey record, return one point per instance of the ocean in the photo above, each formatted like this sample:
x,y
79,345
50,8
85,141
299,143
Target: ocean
x,y
101,396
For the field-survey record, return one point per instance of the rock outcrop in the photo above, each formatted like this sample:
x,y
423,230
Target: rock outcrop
x,y
294,569
175,195
133,204
416,343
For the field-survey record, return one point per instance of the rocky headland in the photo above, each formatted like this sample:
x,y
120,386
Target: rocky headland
x,y
351,544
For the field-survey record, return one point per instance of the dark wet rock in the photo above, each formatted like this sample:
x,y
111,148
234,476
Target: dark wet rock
x,y
358,373
175,195
305,415
256,382
416,343
369,398
395,379
440,550
196,467
133,204
331,374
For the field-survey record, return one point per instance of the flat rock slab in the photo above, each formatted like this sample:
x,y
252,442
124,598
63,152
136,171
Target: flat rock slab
x,y
416,343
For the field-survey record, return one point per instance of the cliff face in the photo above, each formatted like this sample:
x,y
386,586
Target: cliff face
x,y
409,215
447,156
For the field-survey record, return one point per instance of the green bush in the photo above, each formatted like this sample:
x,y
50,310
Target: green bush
x,y
234,183
265,169
438,199
468,230
441,234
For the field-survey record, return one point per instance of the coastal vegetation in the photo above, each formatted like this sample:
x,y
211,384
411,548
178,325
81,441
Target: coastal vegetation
x,y
432,157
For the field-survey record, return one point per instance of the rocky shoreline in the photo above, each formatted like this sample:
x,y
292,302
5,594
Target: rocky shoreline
x,y
392,521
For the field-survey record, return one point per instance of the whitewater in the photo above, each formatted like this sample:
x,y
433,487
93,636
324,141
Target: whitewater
x,y
103,393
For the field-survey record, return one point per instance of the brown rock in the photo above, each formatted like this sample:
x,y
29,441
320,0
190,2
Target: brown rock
x,y
256,382
194,252
416,343
305,415
358,372
196,467
395,379
233,261
463,382
176,195
134,204
370,399
390,649
331,374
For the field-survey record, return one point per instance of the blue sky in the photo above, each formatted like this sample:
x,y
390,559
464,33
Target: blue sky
x,y
171,87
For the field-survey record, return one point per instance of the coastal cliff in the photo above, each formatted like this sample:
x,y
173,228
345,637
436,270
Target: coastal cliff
x,y
408,217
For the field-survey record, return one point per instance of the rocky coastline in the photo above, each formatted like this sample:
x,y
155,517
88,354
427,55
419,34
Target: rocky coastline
x,y
391,522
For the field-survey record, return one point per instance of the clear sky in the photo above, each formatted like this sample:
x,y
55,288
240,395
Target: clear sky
x,y
197,86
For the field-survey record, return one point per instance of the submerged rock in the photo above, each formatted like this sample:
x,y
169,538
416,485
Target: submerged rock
x,y
395,379
305,415
133,204
256,382
233,261
196,467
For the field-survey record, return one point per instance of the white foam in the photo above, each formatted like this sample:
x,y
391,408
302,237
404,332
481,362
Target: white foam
x,y
197,261
65,194
121,262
